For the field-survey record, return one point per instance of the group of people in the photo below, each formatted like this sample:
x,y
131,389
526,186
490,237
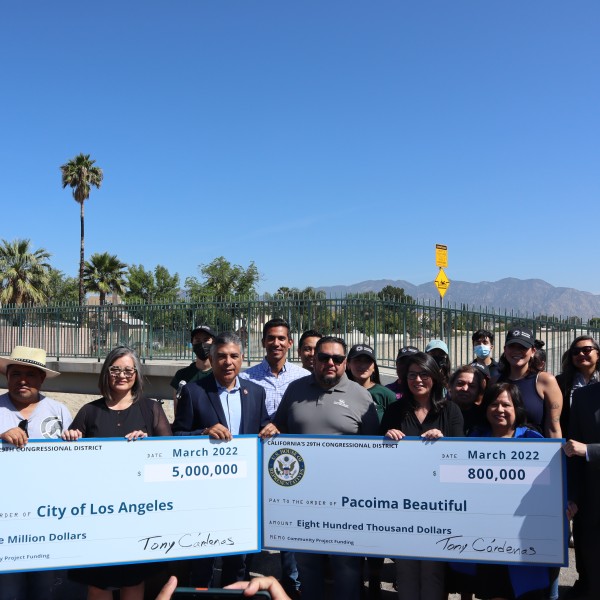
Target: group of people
x,y
334,392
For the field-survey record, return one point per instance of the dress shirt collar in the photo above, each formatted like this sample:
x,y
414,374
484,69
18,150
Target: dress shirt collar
x,y
235,388
266,367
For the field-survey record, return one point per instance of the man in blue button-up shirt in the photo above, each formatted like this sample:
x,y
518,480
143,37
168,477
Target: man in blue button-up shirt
x,y
274,374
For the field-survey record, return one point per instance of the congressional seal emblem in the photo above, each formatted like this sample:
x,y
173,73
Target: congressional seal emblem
x,y
286,467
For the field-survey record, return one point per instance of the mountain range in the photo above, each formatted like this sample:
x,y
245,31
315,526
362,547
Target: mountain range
x,y
524,296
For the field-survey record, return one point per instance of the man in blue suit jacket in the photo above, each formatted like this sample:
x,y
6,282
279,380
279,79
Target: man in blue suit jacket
x,y
221,405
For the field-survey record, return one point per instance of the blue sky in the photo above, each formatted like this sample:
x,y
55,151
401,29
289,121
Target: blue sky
x,y
329,141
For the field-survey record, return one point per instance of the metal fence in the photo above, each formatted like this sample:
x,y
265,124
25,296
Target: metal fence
x,y
162,331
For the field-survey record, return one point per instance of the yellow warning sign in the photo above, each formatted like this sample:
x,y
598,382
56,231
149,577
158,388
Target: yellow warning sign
x,y
442,283
441,256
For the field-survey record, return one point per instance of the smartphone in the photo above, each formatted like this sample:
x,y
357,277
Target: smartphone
x,y
188,593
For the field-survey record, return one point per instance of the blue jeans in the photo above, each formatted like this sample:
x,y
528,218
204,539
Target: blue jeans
x,y
347,576
289,571
553,586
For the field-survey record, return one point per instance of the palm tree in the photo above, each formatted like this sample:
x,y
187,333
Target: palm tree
x,y
104,273
80,174
24,273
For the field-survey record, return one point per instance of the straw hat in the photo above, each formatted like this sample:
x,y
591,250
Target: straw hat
x,y
32,357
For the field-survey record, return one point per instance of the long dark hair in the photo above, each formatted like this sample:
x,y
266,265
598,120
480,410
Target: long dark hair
x,y
428,365
104,379
492,393
568,368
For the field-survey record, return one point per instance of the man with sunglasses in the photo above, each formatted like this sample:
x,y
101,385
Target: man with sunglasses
x,y
327,403
26,414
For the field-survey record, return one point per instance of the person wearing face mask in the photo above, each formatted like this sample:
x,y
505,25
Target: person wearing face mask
x,y
202,337
483,345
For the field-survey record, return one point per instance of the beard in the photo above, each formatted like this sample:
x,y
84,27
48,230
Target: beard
x,y
328,381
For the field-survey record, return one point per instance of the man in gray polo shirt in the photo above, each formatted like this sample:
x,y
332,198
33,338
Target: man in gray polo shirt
x,y
327,403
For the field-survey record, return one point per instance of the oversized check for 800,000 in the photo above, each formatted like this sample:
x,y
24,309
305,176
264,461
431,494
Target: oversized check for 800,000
x,y
68,504
475,499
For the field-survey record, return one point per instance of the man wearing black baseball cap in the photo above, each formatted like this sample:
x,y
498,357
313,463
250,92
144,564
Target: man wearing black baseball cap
x,y
202,337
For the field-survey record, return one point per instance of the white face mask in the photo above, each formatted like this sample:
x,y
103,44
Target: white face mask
x,y
482,351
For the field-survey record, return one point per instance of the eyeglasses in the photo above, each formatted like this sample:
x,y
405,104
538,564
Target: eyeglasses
x,y
337,359
412,375
118,372
585,349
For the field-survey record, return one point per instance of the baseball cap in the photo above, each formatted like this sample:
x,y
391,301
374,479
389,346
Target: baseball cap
x,y
406,351
206,329
437,345
361,350
523,337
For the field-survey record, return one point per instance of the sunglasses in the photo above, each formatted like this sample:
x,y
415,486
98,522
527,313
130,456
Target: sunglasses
x,y
337,359
24,426
585,349
118,372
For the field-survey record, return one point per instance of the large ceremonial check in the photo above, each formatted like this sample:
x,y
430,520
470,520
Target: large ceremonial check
x,y
484,499
101,501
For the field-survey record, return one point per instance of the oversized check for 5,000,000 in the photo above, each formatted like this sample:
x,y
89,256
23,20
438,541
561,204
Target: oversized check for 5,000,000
x,y
69,504
484,500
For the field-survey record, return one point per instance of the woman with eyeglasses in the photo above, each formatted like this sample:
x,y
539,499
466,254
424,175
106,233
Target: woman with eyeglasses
x,y
422,411
121,412
580,367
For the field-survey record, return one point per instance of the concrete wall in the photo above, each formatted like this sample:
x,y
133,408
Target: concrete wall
x,y
80,376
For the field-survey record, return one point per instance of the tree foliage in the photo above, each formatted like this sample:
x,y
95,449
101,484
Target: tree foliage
x,y
61,289
222,279
302,309
392,292
151,287
24,273
80,174
103,274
